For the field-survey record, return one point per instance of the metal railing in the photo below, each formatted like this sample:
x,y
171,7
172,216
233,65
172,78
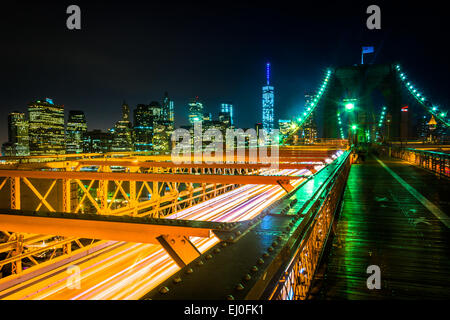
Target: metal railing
x,y
297,278
436,162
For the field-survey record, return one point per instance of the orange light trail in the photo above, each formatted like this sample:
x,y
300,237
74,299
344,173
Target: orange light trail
x,y
129,270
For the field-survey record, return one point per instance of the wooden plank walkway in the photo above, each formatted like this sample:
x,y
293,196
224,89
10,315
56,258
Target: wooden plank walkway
x,y
383,224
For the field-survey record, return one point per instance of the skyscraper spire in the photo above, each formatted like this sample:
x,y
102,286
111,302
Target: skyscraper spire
x,y
267,103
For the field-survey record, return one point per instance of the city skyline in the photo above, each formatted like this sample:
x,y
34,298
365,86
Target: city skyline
x,y
224,151
106,62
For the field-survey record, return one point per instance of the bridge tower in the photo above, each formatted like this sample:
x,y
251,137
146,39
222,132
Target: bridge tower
x,y
358,83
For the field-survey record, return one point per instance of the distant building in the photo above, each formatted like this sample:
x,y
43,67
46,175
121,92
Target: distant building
x,y
75,129
143,127
46,128
168,108
153,126
309,128
18,140
97,141
225,119
268,103
227,108
207,116
195,111
122,132
162,125
285,126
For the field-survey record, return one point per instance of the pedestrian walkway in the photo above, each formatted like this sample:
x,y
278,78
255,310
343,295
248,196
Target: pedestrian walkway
x,y
384,221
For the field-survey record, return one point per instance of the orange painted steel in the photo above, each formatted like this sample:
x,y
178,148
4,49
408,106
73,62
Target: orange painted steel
x,y
128,176
105,230
163,164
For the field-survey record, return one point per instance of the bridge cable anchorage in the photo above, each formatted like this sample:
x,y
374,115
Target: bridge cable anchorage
x,y
310,108
423,101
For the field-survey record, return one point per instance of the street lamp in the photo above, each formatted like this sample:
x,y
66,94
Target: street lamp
x,y
349,106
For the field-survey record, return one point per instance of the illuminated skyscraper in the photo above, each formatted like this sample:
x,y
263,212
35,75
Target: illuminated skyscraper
x,y
143,127
162,127
18,144
285,126
75,129
225,119
97,141
168,108
310,125
227,107
46,128
195,111
122,132
267,103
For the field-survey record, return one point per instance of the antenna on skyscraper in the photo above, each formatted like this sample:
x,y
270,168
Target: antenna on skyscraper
x,y
268,73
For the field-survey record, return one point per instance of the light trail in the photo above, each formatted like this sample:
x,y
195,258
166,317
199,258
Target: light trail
x,y
129,270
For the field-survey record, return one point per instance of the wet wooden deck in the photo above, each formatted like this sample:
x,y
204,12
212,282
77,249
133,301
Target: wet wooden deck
x,y
383,224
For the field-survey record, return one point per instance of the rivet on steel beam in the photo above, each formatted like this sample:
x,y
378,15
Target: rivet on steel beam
x,y
208,256
260,261
189,270
230,238
200,263
163,290
270,249
247,277
230,297
238,233
254,268
224,244
177,280
265,255
239,287
274,244
217,250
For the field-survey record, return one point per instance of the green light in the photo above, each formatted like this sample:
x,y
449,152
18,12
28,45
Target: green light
x,y
442,114
354,127
349,106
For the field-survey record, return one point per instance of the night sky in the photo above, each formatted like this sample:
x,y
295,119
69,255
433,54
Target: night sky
x,y
217,50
